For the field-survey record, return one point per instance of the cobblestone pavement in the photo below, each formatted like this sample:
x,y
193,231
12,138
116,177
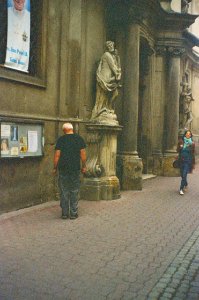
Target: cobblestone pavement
x,y
142,246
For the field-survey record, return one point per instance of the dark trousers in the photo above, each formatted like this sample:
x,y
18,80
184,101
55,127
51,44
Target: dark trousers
x,y
69,185
184,170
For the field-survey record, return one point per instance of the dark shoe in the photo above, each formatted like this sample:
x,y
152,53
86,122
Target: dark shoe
x,y
74,217
64,217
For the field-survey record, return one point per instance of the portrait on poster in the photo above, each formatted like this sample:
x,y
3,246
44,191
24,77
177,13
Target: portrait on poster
x,y
4,146
14,151
23,144
18,35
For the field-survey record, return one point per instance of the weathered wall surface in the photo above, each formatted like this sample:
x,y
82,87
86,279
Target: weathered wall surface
x,y
73,39
195,104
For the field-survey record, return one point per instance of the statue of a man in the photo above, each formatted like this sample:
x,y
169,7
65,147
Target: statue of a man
x,y
108,81
186,99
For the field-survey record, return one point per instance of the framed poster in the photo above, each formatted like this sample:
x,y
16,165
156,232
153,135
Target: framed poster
x,y
21,138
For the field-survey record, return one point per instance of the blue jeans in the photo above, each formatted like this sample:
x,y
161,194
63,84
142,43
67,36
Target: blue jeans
x,y
69,185
184,170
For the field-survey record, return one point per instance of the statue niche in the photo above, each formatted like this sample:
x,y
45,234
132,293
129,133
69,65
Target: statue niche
x,y
108,82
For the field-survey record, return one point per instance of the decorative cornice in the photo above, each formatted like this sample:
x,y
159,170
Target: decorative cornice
x,y
123,12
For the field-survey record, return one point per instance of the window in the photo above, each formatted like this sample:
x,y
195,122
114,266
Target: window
x,y
36,71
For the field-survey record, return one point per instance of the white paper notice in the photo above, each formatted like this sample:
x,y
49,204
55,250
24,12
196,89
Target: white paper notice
x,y
32,141
15,151
5,130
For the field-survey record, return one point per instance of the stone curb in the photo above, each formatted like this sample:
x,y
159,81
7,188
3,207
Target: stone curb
x,y
23,211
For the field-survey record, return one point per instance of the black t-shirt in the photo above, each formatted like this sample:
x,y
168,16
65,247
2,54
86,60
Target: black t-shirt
x,y
70,146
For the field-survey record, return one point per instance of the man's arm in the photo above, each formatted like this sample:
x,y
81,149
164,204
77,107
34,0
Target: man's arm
x,y
56,159
83,159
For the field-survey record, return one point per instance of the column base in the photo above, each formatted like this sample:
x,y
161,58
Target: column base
x,y
158,164
103,188
129,172
167,166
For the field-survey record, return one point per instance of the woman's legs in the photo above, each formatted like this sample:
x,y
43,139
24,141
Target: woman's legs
x,y
184,170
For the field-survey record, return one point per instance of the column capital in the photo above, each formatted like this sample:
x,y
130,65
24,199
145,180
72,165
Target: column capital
x,y
173,51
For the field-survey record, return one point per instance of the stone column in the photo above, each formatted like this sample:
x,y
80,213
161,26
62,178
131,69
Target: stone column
x,y
172,112
172,109
129,162
131,90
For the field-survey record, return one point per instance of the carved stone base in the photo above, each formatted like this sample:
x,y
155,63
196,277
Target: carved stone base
x,y
167,166
104,188
158,164
100,182
129,169
106,117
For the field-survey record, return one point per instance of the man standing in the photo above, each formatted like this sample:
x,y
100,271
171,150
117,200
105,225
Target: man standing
x,y
69,150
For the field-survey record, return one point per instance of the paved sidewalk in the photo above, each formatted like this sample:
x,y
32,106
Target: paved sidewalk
x,y
143,246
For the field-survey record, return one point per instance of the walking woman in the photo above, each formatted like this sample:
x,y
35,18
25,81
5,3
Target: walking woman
x,y
186,150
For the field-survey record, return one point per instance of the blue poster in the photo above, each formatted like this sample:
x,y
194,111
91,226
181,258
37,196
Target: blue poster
x,y
18,35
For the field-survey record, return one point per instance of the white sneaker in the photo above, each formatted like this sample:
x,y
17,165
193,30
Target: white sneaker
x,y
181,192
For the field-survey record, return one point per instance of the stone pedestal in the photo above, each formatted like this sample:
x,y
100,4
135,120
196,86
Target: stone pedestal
x,y
103,188
158,164
101,182
130,172
167,166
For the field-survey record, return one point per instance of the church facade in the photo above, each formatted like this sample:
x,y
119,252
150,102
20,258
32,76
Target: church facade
x,y
158,47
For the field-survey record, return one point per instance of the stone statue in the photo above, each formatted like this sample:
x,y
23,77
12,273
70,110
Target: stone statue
x,y
185,6
108,82
185,104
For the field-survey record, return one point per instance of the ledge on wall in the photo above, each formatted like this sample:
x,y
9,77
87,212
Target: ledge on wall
x,y
24,78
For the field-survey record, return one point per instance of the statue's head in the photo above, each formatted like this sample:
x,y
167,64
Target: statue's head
x,y
110,46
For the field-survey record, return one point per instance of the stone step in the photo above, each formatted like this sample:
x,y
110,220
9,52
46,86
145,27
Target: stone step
x,y
148,176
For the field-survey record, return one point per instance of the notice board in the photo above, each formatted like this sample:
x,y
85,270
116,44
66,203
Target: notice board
x,y
21,139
